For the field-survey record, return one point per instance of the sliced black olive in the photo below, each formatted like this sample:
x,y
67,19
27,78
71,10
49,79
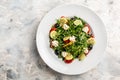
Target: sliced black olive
x,y
90,47
63,58
74,18
56,25
56,52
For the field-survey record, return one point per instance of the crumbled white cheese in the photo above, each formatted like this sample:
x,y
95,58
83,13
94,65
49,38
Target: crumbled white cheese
x,y
72,38
64,54
85,29
55,43
65,27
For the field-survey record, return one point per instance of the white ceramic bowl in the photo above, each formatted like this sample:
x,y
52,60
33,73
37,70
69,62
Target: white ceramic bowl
x,y
76,67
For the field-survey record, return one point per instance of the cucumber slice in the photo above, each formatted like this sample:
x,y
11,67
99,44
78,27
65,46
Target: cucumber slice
x,y
53,34
69,57
77,22
63,20
91,41
82,56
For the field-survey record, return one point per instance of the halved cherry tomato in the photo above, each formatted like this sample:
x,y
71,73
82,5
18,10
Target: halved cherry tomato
x,y
68,61
62,16
89,31
92,36
87,25
53,29
67,41
51,44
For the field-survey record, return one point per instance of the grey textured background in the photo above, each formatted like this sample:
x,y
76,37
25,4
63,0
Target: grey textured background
x,y
19,59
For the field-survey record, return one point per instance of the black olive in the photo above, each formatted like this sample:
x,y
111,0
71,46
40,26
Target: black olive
x,y
77,56
56,25
56,52
90,47
63,59
74,18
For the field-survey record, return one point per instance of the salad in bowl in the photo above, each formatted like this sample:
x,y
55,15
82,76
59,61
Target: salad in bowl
x,y
71,38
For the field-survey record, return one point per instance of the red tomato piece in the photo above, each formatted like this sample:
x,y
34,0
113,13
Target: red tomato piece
x,y
62,16
67,41
92,36
87,25
89,31
68,61
53,29
51,44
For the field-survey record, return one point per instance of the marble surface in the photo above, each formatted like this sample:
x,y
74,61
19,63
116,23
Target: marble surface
x,y
19,59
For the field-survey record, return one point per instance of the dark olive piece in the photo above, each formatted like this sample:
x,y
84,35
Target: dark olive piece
x,y
74,18
56,25
90,47
56,52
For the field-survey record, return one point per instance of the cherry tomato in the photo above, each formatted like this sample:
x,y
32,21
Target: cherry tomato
x,y
53,29
67,41
68,61
62,16
87,25
51,44
92,36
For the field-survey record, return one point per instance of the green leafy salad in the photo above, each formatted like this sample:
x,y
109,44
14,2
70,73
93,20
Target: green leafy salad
x,y
71,38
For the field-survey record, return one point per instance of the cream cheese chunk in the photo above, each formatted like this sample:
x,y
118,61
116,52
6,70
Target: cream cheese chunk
x,y
55,43
85,29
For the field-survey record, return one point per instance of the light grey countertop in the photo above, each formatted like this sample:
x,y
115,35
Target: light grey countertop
x,y
19,59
